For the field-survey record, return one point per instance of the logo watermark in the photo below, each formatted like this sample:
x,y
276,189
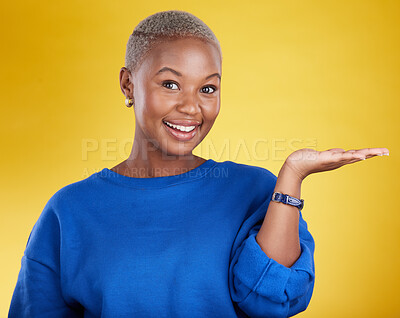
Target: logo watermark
x,y
258,150
261,149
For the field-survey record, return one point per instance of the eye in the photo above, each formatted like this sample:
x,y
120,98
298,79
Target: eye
x,y
169,84
208,89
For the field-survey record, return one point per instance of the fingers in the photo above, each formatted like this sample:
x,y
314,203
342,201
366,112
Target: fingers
x,y
336,150
350,155
371,152
357,154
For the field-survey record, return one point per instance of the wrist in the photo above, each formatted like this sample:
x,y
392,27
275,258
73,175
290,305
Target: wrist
x,y
290,171
288,182
287,199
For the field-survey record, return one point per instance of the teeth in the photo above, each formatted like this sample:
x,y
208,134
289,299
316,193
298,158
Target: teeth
x,y
181,128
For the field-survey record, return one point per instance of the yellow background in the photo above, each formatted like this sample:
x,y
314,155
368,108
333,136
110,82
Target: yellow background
x,y
316,74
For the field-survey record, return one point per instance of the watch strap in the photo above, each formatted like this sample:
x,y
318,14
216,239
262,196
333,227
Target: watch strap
x,y
287,199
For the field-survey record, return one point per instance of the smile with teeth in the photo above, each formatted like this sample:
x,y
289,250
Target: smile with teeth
x,y
181,128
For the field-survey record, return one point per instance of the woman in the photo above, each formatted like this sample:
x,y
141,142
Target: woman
x,y
166,233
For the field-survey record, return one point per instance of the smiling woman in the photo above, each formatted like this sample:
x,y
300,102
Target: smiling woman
x,y
166,233
174,88
173,80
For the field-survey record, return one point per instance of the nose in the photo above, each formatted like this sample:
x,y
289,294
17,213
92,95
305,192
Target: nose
x,y
189,103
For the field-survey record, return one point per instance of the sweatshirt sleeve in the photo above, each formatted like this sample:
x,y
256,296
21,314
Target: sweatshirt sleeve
x,y
38,290
262,287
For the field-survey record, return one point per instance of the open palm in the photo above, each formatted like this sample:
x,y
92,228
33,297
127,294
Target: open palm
x,y
306,161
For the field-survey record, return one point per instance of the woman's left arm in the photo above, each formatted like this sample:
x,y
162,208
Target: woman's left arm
x,y
273,271
279,235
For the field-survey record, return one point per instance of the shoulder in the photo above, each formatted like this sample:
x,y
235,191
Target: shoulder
x,y
250,174
45,237
68,195
251,171
251,186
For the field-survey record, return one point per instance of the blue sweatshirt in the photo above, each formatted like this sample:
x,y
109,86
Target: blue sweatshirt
x,y
176,246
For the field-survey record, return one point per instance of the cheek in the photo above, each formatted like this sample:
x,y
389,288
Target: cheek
x,y
211,111
159,104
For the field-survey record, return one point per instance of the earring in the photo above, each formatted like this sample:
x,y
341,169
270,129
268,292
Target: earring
x,y
128,102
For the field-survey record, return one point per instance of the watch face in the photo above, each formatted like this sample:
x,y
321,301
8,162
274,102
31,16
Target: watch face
x,y
287,199
293,201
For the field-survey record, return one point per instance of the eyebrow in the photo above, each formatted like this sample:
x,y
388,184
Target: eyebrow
x,y
165,68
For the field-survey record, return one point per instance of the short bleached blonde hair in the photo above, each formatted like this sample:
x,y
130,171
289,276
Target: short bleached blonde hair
x,y
164,26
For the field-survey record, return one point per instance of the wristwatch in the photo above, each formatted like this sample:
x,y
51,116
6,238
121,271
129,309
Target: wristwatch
x,y
287,199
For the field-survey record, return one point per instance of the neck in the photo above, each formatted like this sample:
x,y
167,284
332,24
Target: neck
x,y
148,161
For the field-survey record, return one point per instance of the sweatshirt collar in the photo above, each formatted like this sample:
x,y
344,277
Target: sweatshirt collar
x,y
157,182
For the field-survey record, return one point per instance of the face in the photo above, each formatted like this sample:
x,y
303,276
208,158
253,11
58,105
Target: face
x,y
178,82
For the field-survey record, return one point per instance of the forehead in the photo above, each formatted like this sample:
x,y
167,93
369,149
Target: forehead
x,y
187,54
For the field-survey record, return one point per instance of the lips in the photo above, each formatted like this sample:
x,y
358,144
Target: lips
x,y
181,135
183,122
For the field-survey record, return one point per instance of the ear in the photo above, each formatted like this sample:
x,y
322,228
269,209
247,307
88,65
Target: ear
x,y
125,81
